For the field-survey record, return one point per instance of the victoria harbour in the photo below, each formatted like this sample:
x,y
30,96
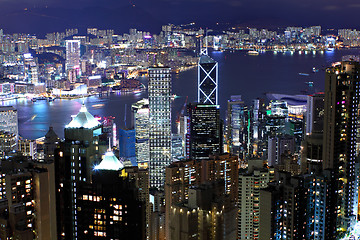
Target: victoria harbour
x,y
239,74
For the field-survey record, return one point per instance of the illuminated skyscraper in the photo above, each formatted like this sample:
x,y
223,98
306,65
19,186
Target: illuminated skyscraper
x,y
341,138
159,124
205,131
141,125
74,164
72,55
237,126
110,207
207,80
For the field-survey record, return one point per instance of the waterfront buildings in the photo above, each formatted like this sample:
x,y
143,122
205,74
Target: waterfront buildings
x,y
208,80
205,131
9,120
340,151
159,124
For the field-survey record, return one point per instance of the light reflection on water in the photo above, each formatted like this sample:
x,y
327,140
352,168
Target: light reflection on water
x,y
239,74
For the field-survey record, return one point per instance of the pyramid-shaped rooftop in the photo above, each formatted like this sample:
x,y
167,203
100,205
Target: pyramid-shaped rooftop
x,y
110,162
83,120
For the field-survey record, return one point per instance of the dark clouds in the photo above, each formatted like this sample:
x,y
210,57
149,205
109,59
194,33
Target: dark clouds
x,y
55,15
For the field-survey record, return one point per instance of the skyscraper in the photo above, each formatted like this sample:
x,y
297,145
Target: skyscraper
x,y
74,163
110,206
236,122
205,131
141,125
207,80
72,55
159,124
341,137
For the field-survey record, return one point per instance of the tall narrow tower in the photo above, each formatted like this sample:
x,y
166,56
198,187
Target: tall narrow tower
x,y
207,80
342,138
159,124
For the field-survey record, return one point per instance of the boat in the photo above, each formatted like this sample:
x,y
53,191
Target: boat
x,y
304,74
315,70
253,53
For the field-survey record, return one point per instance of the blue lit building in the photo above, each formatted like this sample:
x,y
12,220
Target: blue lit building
x,y
127,143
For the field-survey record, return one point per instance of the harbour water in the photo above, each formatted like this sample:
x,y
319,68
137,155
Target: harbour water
x,y
239,74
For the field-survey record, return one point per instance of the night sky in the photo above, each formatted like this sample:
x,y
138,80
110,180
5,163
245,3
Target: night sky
x,y
41,16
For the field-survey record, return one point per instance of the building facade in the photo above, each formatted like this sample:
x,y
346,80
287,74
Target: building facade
x,y
159,124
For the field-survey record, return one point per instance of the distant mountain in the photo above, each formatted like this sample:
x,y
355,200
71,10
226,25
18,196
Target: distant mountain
x,y
46,20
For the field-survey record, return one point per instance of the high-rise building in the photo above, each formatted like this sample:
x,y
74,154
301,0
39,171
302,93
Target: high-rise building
x,y
9,120
159,124
256,177
297,207
181,176
208,78
127,143
277,146
207,214
74,164
72,55
141,125
341,138
205,131
109,206
236,126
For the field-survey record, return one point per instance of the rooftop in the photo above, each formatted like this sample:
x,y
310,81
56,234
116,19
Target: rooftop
x,y
83,120
110,162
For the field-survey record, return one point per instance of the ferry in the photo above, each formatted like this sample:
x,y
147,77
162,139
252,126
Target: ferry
x,y
304,74
253,53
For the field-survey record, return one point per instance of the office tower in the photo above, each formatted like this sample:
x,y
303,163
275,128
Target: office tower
x,y
74,163
72,55
9,120
341,138
127,143
205,131
278,145
141,125
207,214
183,175
159,124
109,207
31,69
236,131
253,179
207,80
